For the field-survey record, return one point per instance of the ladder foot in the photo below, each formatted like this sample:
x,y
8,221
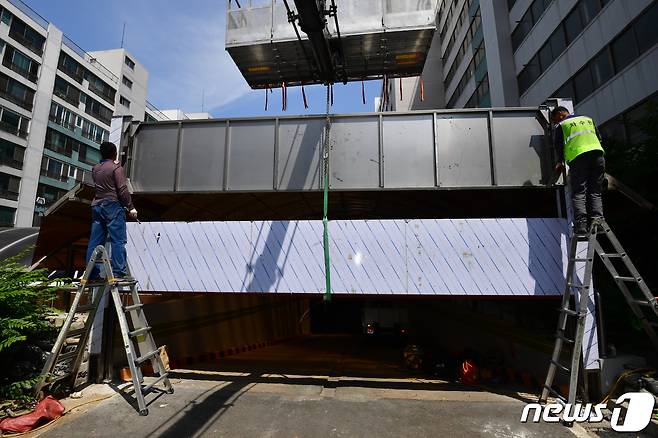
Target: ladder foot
x,y
144,412
170,391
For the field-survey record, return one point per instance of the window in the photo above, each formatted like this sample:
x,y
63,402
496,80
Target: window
x,y
573,25
27,36
130,63
602,68
59,143
100,88
66,91
5,17
7,216
11,154
9,186
71,67
583,83
88,155
14,123
127,82
558,42
20,63
123,101
16,92
646,29
530,18
624,49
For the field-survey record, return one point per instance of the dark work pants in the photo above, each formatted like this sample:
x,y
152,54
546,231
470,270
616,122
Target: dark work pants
x,y
586,174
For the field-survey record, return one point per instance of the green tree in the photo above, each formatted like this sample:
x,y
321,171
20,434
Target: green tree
x,y
24,305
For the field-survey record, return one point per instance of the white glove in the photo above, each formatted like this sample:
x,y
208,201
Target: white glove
x,y
133,214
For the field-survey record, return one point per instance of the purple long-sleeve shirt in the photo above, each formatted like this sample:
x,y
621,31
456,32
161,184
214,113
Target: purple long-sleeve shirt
x,y
110,181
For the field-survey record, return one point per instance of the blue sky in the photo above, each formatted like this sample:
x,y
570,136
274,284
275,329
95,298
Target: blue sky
x,y
183,49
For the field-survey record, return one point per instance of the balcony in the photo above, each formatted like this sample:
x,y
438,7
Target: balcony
x,y
67,125
91,137
23,103
34,47
100,92
21,71
8,127
73,99
77,75
54,175
11,162
8,194
96,114
63,150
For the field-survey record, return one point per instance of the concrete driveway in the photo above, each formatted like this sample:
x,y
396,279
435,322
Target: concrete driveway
x,y
312,387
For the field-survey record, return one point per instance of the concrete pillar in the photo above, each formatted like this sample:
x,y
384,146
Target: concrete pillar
x,y
38,126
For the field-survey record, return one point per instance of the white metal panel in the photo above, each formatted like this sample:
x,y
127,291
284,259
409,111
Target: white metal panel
x,y
474,257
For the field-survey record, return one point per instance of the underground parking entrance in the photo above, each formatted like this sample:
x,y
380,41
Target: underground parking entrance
x,y
388,342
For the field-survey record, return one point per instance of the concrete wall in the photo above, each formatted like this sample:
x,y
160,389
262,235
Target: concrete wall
x,y
198,326
114,61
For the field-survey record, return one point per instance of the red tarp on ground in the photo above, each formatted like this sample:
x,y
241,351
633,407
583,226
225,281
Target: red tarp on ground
x,y
47,410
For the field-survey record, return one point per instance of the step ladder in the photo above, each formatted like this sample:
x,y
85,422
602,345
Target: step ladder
x,y
632,286
64,361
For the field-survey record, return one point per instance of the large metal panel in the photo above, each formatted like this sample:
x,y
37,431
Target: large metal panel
x,y
463,150
409,151
155,158
251,155
466,257
355,152
202,158
299,154
519,149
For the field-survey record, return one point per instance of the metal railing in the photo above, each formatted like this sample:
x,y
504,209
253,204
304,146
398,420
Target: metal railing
x,y
154,109
21,71
15,130
17,100
34,15
67,125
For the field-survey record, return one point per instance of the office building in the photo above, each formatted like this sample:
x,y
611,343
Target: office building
x,y
601,53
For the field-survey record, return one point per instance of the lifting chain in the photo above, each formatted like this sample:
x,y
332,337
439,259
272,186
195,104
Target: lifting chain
x,y
325,176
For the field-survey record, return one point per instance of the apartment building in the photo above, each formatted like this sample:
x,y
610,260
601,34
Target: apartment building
x,y
56,105
601,53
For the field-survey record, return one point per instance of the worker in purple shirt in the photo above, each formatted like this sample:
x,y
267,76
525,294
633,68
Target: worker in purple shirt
x,y
108,209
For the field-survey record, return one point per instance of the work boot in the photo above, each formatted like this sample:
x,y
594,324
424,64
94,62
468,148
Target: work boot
x,y
580,228
596,221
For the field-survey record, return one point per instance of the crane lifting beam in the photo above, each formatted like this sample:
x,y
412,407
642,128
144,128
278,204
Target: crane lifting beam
x,y
365,39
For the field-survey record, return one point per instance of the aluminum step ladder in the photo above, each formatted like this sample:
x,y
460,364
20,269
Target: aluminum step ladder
x,y
64,361
638,296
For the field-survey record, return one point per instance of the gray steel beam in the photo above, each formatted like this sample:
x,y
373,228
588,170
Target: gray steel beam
x,y
475,148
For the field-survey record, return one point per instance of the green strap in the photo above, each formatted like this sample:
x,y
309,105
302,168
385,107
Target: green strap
x,y
325,221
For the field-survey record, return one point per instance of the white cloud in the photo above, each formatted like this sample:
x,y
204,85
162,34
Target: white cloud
x,y
183,49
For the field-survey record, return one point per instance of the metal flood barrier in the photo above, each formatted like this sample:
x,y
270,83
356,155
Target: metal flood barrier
x,y
378,36
482,148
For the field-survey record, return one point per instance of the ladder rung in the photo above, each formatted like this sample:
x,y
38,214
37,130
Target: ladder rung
x,y
150,386
76,332
578,286
559,365
645,303
133,307
570,312
612,255
633,279
139,331
66,356
58,378
579,260
147,356
565,339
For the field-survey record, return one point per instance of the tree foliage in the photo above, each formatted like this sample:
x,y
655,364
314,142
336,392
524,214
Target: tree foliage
x,y
24,303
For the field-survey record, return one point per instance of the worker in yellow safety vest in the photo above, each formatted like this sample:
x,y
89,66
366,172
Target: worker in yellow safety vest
x,y
578,143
